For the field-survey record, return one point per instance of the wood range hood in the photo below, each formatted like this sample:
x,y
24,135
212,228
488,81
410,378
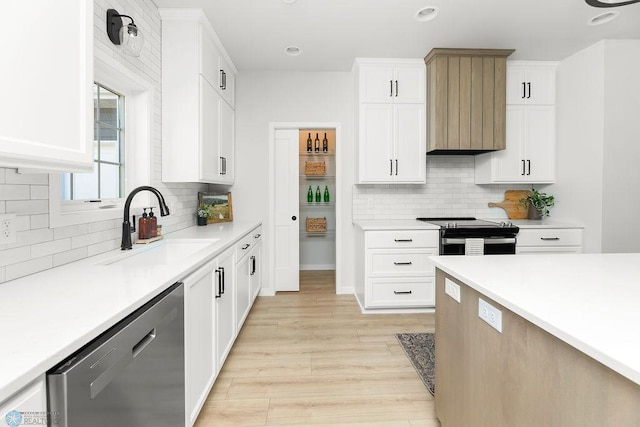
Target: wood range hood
x,y
466,100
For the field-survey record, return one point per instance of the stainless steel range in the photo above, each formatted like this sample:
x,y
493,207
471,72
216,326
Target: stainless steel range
x,y
470,236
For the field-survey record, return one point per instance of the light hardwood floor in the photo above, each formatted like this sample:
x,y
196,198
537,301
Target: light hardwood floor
x,y
311,357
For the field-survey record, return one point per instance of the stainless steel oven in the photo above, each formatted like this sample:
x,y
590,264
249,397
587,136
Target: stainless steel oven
x,y
470,236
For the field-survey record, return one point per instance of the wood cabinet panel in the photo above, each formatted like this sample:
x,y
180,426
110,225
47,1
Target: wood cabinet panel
x,y
467,99
524,376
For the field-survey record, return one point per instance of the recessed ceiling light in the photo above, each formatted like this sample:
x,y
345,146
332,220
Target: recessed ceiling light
x,y
293,50
426,14
610,3
603,18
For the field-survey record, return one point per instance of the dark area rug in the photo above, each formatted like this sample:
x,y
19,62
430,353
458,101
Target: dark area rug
x,y
420,348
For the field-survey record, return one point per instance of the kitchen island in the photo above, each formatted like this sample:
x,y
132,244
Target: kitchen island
x,y
567,353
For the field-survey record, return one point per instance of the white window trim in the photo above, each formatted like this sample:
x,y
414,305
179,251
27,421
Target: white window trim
x,y
138,95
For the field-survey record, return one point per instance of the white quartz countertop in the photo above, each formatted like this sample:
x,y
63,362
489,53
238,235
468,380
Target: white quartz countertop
x,y
394,224
49,315
590,301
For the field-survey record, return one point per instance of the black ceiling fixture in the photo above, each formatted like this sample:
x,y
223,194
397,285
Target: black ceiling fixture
x,y
597,3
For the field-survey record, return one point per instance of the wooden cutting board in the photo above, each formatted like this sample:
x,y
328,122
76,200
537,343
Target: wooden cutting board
x,y
512,205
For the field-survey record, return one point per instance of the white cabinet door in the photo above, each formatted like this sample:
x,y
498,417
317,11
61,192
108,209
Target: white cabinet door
x,y
210,132
225,306
40,129
200,343
227,144
226,81
539,145
410,85
243,290
376,143
30,399
287,211
409,144
531,85
256,270
509,164
376,84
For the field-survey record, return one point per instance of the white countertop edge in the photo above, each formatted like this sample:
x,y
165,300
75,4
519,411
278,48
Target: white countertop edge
x,y
41,360
393,224
612,363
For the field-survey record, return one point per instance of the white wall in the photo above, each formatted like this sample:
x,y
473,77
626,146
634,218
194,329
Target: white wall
x,y
39,247
263,97
621,168
598,147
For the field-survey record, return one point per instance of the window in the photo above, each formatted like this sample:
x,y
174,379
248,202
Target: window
x,y
108,177
124,101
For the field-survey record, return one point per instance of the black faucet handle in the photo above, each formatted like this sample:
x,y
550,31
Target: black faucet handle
x,y
133,224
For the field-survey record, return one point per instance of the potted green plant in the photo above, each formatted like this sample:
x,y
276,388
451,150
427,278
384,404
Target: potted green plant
x,y
538,204
204,212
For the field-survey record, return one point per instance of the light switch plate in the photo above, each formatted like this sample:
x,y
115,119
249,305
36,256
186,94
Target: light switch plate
x,y
452,289
7,228
490,314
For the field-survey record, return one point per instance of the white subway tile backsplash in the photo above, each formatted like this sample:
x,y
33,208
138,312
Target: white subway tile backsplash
x,y
32,237
50,248
13,177
14,192
21,269
70,256
27,207
102,247
39,192
70,231
15,255
40,221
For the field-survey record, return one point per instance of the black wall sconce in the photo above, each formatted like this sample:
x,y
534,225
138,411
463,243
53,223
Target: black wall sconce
x,y
128,36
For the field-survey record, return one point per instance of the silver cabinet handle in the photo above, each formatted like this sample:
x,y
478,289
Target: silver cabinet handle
x,y
402,292
549,238
403,240
402,263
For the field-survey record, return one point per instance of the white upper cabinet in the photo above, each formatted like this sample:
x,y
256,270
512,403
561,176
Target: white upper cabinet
x,y
530,129
198,87
531,83
396,83
391,121
41,55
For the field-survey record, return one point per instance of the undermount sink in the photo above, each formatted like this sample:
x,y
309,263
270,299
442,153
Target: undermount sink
x,y
163,252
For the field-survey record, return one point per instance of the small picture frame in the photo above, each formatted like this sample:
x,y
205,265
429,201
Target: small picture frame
x,y
220,204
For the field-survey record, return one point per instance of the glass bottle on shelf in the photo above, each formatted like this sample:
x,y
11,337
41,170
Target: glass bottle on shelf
x,y
318,196
316,143
325,143
326,194
310,195
309,147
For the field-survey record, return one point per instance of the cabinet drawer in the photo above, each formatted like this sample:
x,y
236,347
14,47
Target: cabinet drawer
x,y
550,237
243,246
400,263
401,293
549,250
402,239
256,235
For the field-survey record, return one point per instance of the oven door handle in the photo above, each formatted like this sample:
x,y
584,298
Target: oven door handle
x,y
490,241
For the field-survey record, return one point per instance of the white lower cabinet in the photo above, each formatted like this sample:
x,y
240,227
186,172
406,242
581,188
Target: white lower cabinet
x,y
248,252
549,241
225,306
393,269
28,406
200,363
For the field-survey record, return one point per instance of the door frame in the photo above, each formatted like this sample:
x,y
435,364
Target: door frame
x,y
273,126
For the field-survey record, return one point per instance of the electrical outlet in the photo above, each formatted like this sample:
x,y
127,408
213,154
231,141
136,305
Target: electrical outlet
x,y
7,228
490,314
452,289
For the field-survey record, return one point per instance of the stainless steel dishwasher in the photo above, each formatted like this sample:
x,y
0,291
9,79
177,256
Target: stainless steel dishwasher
x,y
131,375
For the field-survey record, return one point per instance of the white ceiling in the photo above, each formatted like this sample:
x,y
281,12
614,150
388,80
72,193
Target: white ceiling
x,y
331,33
